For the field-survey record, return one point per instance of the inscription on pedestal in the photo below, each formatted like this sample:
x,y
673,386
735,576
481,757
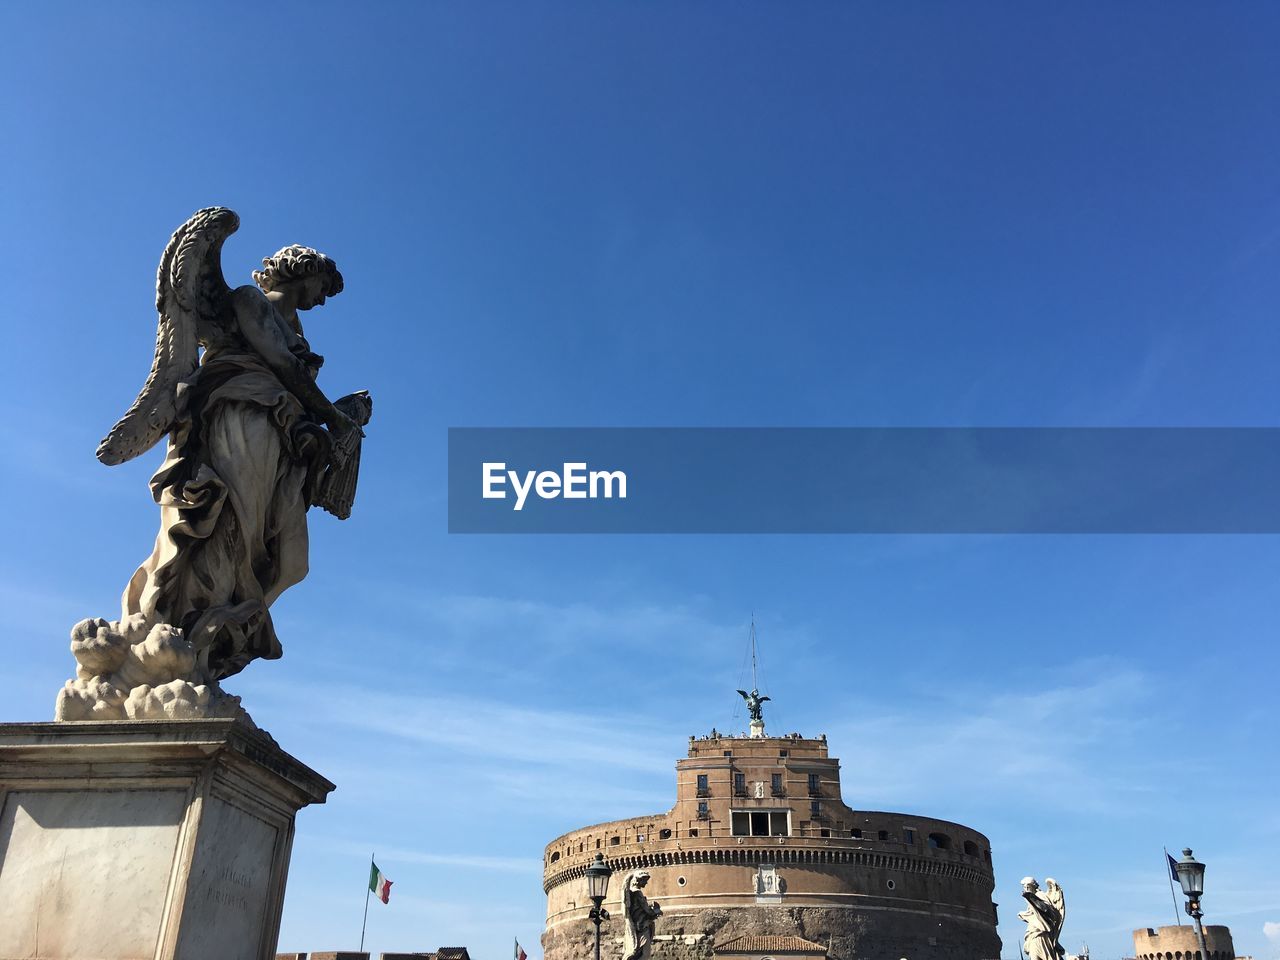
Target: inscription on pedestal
x,y
231,896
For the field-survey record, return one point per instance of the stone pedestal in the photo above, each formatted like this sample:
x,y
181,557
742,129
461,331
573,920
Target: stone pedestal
x,y
145,840
757,728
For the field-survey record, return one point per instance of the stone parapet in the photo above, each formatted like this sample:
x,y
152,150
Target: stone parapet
x,y
923,931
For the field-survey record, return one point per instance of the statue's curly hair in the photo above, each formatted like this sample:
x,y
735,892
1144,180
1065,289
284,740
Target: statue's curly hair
x,y
294,262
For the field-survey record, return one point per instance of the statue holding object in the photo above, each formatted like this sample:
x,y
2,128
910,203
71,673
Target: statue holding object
x,y
253,443
640,915
1045,913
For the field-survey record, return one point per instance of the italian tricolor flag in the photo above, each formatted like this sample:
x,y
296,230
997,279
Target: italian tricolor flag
x,y
379,884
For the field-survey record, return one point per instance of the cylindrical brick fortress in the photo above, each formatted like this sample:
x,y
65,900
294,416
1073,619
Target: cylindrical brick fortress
x,y
760,844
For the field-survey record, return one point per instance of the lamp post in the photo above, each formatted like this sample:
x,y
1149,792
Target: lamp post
x,y
597,887
1191,876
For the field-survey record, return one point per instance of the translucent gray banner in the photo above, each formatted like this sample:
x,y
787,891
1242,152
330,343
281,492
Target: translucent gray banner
x,y
864,480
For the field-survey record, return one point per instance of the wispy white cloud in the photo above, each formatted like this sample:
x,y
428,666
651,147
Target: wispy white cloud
x,y
480,727
391,855
570,628
1056,746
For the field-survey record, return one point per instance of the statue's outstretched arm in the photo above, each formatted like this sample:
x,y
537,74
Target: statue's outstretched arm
x,y
262,330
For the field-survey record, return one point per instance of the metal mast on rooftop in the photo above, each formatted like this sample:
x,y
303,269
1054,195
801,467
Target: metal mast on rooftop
x,y
754,700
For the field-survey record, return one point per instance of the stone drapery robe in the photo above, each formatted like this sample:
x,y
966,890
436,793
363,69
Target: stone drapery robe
x,y
1044,923
233,491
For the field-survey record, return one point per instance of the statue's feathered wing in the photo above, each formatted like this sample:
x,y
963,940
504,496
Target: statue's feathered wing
x,y
190,296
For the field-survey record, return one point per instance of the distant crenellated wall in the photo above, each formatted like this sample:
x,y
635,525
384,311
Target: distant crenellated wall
x,y
1179,943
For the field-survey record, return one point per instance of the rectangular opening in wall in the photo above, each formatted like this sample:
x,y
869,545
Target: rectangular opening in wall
x,y
775,786
704,789
761,823
908,835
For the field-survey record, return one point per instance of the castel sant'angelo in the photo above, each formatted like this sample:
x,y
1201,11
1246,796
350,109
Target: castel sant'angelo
x,y
762,857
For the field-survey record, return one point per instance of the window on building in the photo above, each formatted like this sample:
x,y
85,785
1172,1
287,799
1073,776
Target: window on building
x,y
760,823
693,831
664,834
939,841
614,841
970,848
986,855
856,833
704,788
555,856
908,835
740,784
704,810
824,832
784,753
882,835
728,753
815,784
775,786
815,809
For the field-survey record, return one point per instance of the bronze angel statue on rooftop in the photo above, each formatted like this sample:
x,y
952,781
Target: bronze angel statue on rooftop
x,y
755,703
253,443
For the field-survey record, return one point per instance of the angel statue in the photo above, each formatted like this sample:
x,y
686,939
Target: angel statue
x,y
252,444
1043,917
754,701
640,914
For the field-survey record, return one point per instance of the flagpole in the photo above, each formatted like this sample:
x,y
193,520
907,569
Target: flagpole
x,y
367,890
1173,896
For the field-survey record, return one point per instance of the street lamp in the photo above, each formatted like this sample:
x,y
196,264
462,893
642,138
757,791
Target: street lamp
x,y
597,887
1191,876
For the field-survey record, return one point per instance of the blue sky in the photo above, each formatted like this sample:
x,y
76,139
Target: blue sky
x,y
684,214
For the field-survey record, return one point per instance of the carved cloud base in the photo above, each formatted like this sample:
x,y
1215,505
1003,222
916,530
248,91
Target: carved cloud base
x,y
131,669
154,839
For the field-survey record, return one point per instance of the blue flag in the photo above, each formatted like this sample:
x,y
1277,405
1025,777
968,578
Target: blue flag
x,y
1173,867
